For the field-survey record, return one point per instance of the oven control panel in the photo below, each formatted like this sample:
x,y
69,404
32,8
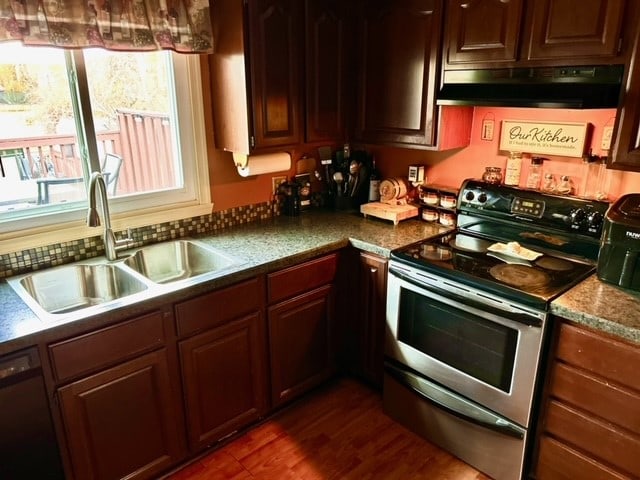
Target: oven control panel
x,y
565,213
527,206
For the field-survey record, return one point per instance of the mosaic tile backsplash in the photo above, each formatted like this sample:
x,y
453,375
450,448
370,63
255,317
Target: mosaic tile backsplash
x,y
17,263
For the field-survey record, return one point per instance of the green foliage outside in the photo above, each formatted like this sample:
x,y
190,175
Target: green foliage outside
x,y
116,80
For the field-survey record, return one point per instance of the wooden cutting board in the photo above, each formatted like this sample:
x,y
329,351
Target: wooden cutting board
x,y
385,211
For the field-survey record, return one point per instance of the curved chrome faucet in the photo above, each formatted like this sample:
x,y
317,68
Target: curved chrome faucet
x,y
111,245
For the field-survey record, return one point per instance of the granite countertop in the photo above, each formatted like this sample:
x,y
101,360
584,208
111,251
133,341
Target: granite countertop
x,y
267,246
262,246
602,306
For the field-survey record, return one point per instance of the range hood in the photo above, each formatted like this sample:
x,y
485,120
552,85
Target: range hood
x,y
548,87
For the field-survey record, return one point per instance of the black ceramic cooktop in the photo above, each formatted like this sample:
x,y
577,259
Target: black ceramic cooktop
x,y
464,258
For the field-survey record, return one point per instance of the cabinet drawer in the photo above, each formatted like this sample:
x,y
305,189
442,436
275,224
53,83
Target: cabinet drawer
x,y
596,438
107,346
597,396
559,462
215,308
301,278
600,355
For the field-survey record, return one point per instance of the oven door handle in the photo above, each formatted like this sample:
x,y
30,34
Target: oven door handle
x,y
517,317
455,404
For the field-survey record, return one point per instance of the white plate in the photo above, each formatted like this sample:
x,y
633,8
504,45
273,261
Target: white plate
x,y
514,249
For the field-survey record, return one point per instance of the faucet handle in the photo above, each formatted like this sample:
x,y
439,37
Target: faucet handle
x,y
124,242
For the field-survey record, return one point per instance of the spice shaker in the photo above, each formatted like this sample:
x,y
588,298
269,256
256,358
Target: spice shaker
x,y
514,167
535,173
549,183
565,187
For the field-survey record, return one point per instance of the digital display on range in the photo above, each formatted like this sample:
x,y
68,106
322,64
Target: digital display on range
x,y
525,206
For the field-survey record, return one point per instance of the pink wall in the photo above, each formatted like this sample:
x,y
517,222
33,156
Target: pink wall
x,y
452,167
446,168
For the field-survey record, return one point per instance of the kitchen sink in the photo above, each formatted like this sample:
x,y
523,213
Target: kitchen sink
x,y
77,290
170,262
77,287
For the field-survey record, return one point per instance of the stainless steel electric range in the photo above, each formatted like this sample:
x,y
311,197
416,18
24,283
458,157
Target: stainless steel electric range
x,y
467,319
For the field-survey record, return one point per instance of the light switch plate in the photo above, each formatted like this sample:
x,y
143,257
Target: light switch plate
x,y
607,133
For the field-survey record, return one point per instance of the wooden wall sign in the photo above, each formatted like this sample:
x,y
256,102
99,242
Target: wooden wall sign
x,y
549,138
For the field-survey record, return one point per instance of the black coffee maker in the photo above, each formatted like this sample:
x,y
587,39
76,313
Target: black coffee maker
x,y
619,258
291,193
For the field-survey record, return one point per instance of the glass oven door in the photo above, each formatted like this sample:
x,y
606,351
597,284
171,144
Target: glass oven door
x,y
481,347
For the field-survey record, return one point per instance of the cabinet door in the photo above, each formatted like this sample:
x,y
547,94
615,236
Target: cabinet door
x,y
590,420
625,154
482,31
399,54
275,58
328,37
566,29
223,375
300,343
124,421
372,315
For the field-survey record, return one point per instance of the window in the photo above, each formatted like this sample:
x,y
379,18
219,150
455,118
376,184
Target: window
x,y
135,117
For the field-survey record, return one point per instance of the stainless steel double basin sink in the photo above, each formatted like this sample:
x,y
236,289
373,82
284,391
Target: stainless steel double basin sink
x,y
83,288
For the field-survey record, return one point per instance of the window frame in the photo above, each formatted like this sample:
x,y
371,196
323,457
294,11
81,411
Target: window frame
x,y
194,199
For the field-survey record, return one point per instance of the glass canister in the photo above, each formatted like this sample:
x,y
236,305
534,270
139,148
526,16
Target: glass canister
x,y
535,173
514,167
492,175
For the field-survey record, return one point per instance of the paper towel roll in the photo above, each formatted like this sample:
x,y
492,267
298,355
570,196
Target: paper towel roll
x,y
259,164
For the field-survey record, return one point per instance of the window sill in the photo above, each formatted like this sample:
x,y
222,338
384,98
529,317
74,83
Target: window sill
x,y
38,237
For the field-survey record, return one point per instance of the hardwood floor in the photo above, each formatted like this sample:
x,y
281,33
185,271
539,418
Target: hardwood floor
x,y
340,432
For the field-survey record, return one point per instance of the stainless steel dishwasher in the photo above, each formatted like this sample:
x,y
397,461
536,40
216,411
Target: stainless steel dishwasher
x,y
28,446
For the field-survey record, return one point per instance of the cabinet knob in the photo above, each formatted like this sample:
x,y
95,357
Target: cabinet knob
x,y
374,270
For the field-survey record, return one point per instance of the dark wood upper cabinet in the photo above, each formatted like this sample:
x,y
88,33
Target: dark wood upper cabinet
x,y
511,33
571,28
255,74
276,67
398,52
483,31
328,37
625,149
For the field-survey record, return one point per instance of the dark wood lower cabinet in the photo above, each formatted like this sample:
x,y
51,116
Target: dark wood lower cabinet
x,y
372,300
590,422
123,422
224,376
300,343
125,391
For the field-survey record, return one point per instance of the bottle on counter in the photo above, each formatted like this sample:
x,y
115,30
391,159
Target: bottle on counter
x,y
374,183
590,171
535,173
513,169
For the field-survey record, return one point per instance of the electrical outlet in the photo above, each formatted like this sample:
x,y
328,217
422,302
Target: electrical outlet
x,y
275,183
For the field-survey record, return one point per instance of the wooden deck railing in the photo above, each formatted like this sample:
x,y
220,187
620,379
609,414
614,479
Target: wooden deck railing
x,y
144,142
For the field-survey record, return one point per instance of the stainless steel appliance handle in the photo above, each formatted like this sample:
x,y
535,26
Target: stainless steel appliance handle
x,y
515,316
455,404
